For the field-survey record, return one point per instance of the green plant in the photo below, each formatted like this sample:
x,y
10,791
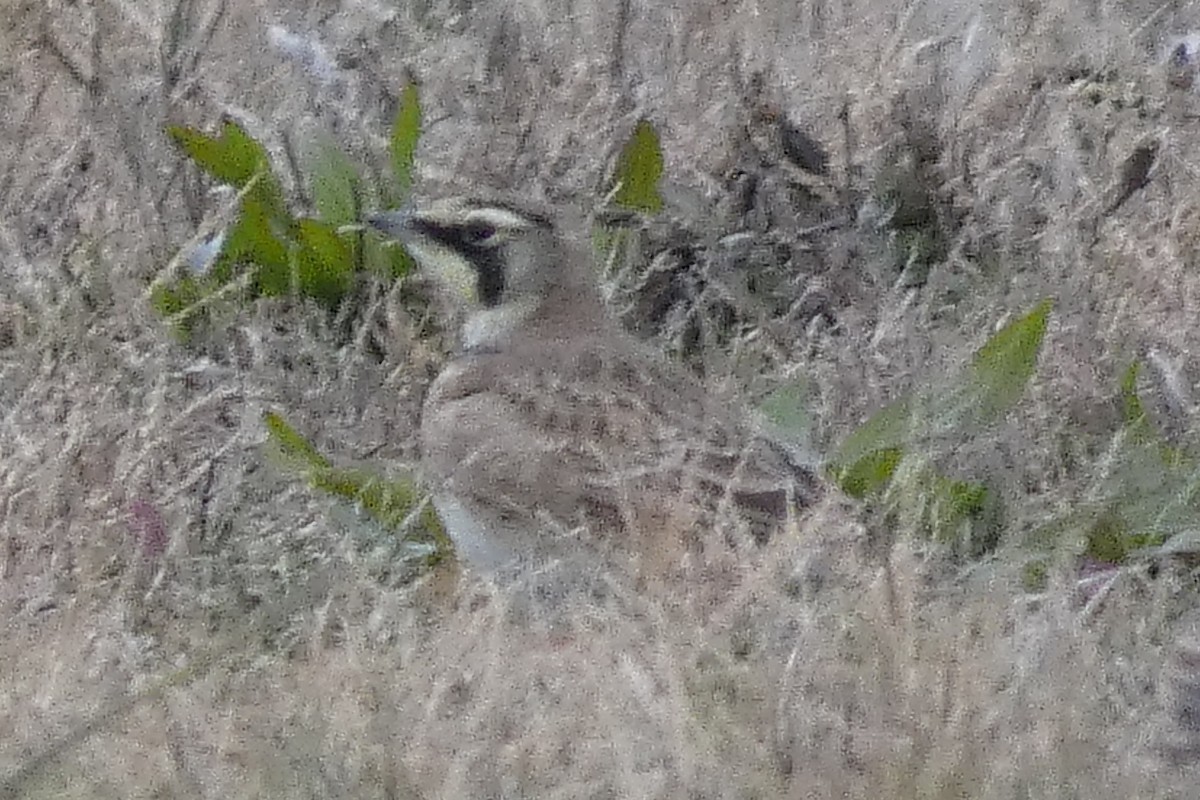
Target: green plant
x,y
633,191
268,250
891,460
639,169
1144,501
398,505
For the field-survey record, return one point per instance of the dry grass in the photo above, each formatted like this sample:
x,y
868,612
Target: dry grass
x,y
182,620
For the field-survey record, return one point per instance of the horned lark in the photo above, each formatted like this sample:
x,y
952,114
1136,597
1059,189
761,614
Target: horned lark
x,y
554,432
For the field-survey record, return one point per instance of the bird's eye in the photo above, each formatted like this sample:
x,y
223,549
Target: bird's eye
x,y
479,233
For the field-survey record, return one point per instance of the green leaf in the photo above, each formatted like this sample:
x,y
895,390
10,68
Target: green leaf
x,y
870,474
388,502
867,460
406,132
386,258
1110,539
964,497
787,409
171,300
1003,366
921,502
294,447
1132,410
616,248
253,241
233,157
399,262
888,428
334,181
639,170
1141,428
954,502
324,263
259,239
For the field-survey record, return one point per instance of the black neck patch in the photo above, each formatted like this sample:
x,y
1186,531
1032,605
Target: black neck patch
x,y
489,273
486,259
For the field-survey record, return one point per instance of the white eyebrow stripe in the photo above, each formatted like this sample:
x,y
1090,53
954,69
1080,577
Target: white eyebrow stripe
x,y
498,218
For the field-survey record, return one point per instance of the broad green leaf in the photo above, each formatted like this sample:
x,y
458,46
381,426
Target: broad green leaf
x,y
253,241
233,157
787,409
616,248
385,258
406,132
324,263
922,502
639,170
335,188
1003,366
870,474
889,428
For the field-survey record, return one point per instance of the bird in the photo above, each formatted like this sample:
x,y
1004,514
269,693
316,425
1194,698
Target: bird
x,y
553,432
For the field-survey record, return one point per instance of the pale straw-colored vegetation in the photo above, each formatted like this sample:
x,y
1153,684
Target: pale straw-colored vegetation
x,y
184,617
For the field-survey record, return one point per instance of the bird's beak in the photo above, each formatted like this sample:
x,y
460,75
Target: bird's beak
x,y
394,224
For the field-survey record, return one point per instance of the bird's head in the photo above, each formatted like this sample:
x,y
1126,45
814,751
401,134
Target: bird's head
x,y
507,264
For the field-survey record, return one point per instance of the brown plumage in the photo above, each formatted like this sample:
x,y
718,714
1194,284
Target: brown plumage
x,y
554,432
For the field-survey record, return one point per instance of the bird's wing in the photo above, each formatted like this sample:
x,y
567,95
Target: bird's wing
x,y
589,430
